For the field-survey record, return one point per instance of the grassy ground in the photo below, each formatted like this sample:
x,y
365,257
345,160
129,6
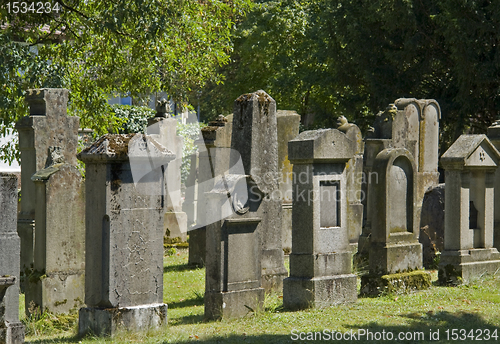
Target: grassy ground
x,y
474,307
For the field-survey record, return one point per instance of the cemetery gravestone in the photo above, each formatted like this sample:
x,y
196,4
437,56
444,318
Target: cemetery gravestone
x,y
288,128
321,258
470,164
494,137
395,255
175,220
255,141
124,260
11,329
46,126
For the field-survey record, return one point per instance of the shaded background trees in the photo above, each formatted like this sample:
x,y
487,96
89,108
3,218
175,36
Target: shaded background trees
x,y
352,58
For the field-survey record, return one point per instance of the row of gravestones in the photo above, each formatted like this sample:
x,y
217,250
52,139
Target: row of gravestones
x,y
244,197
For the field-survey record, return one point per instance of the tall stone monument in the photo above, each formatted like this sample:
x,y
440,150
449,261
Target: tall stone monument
x,y
46,126
288,128
213,161
321,258
175,219
470,165
124,236
255,138
411,124
395,252
11,329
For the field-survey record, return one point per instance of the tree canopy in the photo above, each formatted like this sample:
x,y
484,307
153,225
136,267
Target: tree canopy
x,y
99,49
330,58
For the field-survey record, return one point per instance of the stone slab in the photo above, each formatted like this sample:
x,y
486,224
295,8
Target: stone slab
x,y
395,283
233,304
320,292
108,321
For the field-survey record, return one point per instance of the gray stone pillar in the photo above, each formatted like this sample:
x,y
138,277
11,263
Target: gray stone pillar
x,y
321,258
255,138
47,126
288,128
213,161
58,278
175,220
11,329
470,164
124,235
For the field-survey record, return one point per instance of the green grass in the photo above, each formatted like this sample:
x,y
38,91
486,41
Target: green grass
x,y
466,307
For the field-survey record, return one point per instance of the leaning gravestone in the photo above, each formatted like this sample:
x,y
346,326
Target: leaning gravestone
x,y
395,252
47,125
470,165
321,258
255,138
11,329
124,250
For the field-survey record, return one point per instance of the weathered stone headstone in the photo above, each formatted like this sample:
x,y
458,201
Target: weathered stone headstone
x,y
124,235
321,258
213,161
432,225
255,141
233,271
11,329
288,128
470,165
354,177
395,253
175,219
58,278
411,124
47,126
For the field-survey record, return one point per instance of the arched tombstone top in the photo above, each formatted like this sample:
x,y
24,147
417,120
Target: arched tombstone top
x,y
395,192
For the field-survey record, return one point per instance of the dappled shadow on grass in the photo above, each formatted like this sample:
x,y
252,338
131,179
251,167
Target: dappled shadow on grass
x,y
238,339
180,267
186,303
188,319
431,327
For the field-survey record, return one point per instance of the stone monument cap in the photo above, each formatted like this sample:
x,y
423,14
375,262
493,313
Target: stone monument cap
x,y
471,151
326,145
119,147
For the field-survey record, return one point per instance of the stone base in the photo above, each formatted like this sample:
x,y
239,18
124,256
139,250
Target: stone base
x,y
456,267
319,292
393,258
197,246
273,270
175,225
395,283
233,304
56,292
107,321
12,333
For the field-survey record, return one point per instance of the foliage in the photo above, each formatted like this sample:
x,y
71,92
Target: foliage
x,y
99,49
134,118
190,132
352,58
